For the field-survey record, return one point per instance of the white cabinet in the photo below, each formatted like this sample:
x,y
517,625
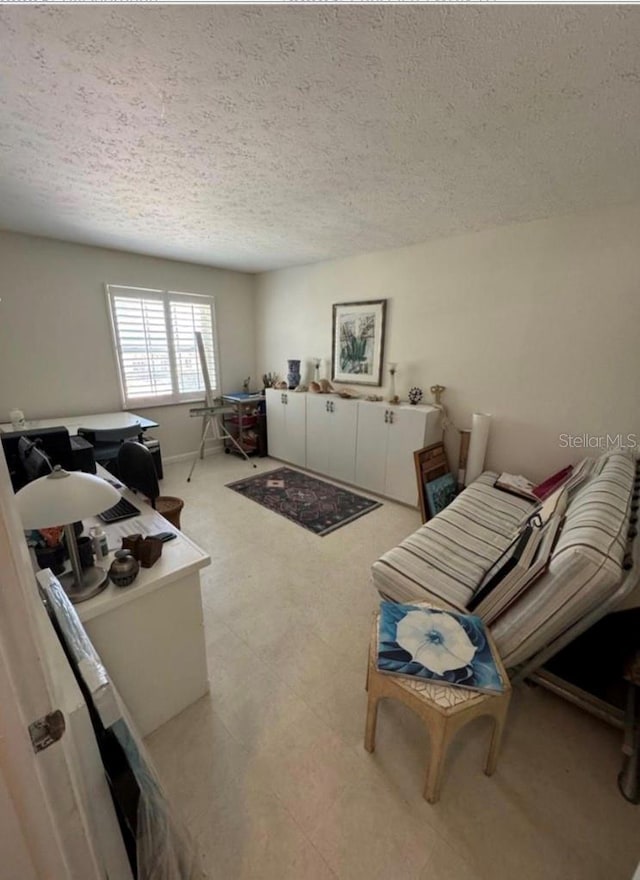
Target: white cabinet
x,y
286,425
370,445
387,438
331,436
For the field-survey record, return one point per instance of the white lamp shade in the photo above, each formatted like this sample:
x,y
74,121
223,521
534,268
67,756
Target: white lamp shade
x,y
61,498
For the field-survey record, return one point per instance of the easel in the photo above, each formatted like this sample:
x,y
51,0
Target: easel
x,y
211,413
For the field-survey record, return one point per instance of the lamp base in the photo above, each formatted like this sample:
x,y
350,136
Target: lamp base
x,y
94,581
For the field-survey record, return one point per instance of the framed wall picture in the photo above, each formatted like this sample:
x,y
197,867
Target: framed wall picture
x,y
440,493
431,464
358,342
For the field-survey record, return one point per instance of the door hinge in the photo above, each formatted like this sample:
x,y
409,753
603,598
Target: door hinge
x,y
47,730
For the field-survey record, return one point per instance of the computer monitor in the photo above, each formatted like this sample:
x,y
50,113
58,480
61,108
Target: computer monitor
x,y
55,443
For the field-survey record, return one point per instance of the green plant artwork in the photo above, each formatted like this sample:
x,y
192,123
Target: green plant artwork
x,y
356,343
358,333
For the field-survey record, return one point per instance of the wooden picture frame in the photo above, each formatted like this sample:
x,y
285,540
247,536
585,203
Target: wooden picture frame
x,y
430,463
357,345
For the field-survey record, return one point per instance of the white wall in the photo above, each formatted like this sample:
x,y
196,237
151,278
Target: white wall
x,y
56,355
536,323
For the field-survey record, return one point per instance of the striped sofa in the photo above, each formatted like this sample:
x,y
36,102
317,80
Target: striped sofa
x,y
445,560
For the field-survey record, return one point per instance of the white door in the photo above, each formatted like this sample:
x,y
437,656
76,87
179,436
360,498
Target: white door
x,y
44,829
341,445
319,424
295,426
371,446
276,425
407,430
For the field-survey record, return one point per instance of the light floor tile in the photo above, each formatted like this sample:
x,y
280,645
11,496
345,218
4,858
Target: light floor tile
x,y
249,834
270,773
371,834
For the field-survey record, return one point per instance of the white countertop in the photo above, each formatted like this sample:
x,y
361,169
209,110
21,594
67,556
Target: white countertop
x,y
96,422
180,558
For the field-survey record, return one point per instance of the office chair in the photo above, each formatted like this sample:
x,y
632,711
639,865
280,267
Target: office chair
x,y
137,471
107,442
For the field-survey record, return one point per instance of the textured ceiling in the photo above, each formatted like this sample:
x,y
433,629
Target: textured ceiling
x,y
256,137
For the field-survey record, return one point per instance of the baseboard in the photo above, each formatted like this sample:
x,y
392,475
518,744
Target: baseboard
x,y
189,456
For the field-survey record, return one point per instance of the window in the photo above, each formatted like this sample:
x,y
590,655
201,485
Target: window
x,y
156,348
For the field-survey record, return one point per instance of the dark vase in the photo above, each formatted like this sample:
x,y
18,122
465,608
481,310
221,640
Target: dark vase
x,y
51,557
293,375
85,551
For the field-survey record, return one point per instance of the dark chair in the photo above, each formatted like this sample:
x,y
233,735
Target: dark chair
x,y
107,442
138,472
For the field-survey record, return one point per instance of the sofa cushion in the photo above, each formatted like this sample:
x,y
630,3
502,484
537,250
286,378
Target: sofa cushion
x,y
585,568
445,560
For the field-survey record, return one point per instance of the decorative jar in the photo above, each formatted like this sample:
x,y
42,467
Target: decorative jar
x,y
124,568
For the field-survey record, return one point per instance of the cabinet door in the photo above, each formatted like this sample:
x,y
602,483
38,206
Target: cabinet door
x,y
371,447
406,434
276,425
319,423
341,446
295,428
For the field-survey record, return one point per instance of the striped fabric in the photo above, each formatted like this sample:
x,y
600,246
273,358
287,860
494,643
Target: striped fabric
x,y
445,560
585,568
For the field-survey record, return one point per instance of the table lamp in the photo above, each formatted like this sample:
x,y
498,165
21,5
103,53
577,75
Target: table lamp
x,y
62,498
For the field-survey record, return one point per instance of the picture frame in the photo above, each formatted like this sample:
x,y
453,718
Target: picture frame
x,y
357,348
440,493
430,463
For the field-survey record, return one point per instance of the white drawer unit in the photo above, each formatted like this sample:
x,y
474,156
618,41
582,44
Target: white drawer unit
x,y
331,436
286,425
355,441
387,438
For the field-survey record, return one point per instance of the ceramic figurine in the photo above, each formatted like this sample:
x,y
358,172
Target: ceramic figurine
x,y
415,395
437,391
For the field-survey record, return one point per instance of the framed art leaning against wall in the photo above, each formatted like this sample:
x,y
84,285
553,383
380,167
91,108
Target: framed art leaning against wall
x,y
358,342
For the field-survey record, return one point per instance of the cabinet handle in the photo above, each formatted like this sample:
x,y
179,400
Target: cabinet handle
x,y
386,415
331,406
326,406
391,418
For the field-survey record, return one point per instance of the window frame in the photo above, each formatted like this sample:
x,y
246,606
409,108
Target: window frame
x,y
175,397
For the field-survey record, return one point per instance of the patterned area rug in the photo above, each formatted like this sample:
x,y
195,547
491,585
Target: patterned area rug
x,y
311,503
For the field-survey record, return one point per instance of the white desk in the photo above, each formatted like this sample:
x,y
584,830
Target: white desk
x,y
96,422
150,635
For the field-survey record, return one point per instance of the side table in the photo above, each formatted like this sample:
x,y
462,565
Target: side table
x,y
444,710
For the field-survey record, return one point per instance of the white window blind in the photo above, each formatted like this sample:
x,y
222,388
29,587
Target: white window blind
x,y
155,342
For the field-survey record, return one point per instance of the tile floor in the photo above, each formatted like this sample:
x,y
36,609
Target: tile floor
x,y
269,771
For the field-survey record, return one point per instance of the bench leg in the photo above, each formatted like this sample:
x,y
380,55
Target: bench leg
x,y
496,739
439,738
372,718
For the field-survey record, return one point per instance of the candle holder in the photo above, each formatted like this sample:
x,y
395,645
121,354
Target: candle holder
x,y
393,397
316,368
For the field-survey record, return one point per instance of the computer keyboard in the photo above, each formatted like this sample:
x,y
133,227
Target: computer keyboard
x,y
122,510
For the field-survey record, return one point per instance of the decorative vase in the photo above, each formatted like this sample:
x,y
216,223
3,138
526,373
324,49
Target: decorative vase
x,y
415,395
293,374
124,568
